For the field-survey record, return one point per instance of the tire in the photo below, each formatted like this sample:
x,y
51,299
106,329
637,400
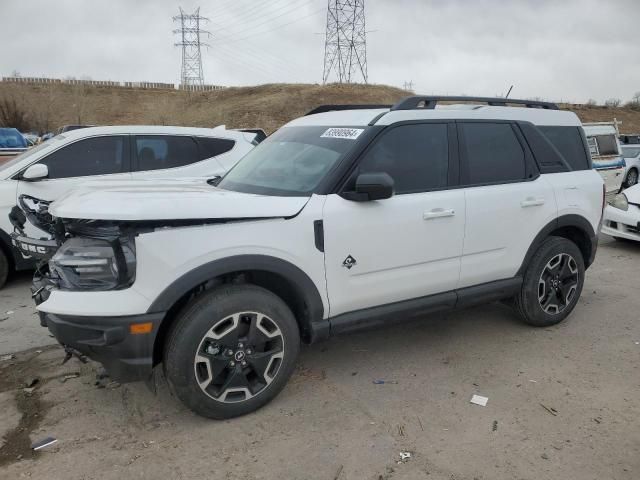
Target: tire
x,y
231,351
632,178
552,283
4,268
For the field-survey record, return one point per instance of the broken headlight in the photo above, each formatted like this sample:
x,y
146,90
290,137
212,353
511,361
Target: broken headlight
x,y
94,264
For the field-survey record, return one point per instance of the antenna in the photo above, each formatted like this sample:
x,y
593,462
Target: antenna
x,y
507,95
345,48
190,33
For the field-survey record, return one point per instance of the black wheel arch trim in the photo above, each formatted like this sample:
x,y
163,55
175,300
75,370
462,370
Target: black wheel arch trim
x,y
570,220
304,286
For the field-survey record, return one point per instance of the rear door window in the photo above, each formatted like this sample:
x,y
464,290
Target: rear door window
x,y
568,142
91,156
157,152
491,153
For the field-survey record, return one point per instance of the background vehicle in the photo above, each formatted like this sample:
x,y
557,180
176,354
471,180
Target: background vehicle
x,y
602,139
12,143
631,155
339,221
110,153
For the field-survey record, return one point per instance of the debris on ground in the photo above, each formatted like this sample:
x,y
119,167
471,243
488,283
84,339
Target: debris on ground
x,y
9,312
69,376
479,400
382,382
544,456
404,456
5,358
420,422
338,472
29,390
31,382
43,443
598,420
551,410
494,427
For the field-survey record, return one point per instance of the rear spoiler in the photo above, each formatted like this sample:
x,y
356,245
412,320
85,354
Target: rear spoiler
x,y
260,133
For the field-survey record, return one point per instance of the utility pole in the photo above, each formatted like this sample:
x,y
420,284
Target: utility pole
x,y
345,48
189,34
408,86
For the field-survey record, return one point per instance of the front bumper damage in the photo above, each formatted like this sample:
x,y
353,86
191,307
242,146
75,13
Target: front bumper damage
x,y
109,340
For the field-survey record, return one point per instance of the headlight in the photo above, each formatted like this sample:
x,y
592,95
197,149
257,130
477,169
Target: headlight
x,y
93,264
620,201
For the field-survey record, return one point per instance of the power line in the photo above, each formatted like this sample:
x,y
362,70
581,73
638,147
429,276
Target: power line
x,y
345,49
269,20
190,33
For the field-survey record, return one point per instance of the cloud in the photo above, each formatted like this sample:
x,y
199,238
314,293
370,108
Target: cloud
x,y
570,50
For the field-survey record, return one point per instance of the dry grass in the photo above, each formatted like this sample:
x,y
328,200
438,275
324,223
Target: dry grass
x,y
265,106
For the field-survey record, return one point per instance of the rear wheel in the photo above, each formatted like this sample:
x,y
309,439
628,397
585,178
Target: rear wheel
x,y
232,351
552,283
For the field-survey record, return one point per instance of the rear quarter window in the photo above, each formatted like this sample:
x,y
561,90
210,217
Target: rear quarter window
x,y
568,141
212,147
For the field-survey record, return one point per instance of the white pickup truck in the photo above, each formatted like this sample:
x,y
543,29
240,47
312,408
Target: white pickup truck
x,y
602,138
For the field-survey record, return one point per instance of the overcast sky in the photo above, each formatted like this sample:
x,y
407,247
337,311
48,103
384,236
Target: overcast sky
x,y
554,49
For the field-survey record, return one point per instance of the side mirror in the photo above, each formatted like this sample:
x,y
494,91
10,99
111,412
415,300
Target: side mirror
x,y
371,186
37,171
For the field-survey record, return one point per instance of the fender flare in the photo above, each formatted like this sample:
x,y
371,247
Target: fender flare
x,y
304,286
570,220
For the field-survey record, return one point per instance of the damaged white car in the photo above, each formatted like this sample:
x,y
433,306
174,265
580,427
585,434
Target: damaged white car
x,y
622,215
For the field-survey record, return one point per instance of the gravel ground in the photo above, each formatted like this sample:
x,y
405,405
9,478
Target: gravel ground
x,y
563,402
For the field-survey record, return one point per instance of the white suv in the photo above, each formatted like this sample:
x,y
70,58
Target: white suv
x,y
110,153
343,219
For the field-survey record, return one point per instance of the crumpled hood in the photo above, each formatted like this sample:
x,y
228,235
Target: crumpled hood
x,y
183,199
633,194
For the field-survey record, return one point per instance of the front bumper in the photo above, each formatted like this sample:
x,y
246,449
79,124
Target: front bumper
x,y
621,224
126,357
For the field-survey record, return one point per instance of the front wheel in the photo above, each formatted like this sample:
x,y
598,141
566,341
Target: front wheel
x,y
552,283
232,351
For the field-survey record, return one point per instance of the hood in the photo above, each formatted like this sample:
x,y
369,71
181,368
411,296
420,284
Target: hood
x,y
633,194
184,199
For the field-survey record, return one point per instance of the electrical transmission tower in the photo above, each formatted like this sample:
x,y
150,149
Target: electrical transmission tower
x,y
190,33
345,48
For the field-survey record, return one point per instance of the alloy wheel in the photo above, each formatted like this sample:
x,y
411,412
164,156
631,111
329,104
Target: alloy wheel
x,y
239,357
632,178
558,283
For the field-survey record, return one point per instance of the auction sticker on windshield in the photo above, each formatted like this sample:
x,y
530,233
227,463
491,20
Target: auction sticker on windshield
x,y
348,133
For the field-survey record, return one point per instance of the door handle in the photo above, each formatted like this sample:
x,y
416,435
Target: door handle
x,y
532,202
438,213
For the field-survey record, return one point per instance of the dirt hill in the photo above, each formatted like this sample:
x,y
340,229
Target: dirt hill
x,y
46,107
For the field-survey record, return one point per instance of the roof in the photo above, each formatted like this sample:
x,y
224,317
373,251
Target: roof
x,y
599,129
344,118
340,118
220,131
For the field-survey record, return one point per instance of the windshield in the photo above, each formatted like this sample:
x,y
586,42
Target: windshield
x,y
630,152
32,151
11,138
291,162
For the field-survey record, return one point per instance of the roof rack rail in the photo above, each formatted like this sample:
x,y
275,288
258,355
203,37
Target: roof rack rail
x,y
335,108
430,102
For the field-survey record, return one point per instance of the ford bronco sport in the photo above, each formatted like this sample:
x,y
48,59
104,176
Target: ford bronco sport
x,y
346,218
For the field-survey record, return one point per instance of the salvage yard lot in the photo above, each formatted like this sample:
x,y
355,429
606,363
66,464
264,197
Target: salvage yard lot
x,y
335,420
